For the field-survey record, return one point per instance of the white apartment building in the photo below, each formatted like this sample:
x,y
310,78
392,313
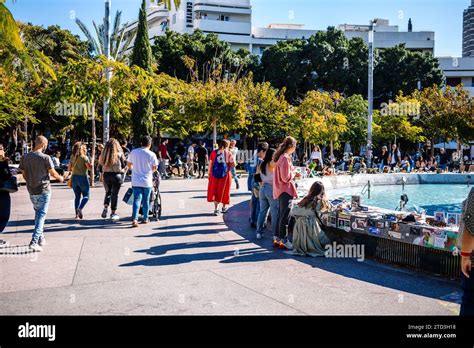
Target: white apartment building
x,y
232,21
458,70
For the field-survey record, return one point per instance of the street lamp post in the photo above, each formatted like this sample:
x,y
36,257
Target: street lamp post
x,y
108,72
370,95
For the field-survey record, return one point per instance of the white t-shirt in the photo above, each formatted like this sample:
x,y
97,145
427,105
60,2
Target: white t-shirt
x,y
317,155
143,161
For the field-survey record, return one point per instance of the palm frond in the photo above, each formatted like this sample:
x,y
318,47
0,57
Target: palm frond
x,y
100,36
88,36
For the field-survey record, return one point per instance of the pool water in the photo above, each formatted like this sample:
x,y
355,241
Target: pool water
x,y
431,198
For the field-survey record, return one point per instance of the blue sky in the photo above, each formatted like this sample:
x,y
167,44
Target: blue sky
x,y
442,16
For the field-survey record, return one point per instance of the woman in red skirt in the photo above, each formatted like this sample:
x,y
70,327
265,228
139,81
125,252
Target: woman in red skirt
x,y
220,164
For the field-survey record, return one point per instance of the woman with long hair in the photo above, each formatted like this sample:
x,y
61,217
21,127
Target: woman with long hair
x,y
267,202
79,165
114,166
307,214
220,179
284,189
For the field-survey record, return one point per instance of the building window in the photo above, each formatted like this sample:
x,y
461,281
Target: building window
x,y
453,81
173,21
224,18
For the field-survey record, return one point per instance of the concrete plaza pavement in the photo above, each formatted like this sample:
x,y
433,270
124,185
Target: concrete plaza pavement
x,y
191,263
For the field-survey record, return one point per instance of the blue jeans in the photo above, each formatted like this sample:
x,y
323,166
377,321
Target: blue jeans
x,y
40,205
234,174
80,185
467,305
267,203
141,195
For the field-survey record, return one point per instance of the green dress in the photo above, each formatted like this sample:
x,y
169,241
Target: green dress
x,y
306,232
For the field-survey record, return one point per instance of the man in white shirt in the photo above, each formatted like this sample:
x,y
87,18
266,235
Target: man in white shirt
x,y
143,163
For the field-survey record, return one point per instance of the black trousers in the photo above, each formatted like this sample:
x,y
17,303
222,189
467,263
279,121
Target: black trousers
x,y
467,305
112,183
202,168
5,206
284,212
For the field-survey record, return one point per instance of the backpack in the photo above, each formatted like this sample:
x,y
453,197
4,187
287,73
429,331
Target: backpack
x,y
219,166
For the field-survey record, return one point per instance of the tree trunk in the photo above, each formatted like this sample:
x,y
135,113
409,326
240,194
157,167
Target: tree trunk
x,y
432,147
94,138
332,148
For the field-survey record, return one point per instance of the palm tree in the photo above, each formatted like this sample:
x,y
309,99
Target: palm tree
x,y
116,39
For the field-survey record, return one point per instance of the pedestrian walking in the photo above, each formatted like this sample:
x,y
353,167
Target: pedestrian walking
x,y
164,158
36,168
114,167
143,164
190,160
220,164
79,166
202,159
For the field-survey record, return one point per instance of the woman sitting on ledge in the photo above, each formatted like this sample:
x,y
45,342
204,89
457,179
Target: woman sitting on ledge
x,y
307,233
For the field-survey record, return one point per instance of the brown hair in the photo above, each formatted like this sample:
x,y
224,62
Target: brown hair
x,y
316,194
224,144
288,143
110,154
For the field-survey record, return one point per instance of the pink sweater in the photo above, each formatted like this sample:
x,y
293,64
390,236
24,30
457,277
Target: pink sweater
x,y
284,178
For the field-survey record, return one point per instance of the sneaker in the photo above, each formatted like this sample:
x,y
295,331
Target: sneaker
x,y
287,245
224,210
216,212
79,214
104,212
42,241
135,223
146,222
259,236
237,185
114,217
35,247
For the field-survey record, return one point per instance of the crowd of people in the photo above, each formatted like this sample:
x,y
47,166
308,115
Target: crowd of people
x,y
297,227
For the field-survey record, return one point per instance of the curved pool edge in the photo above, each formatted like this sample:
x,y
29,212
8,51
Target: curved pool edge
x,y
341,181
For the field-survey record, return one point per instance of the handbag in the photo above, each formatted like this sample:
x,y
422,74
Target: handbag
x,y
69,182
10,185
128,197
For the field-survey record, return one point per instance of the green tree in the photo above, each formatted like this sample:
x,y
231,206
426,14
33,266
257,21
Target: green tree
x,y
266,109
399,69
355,109
142,110
320,122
